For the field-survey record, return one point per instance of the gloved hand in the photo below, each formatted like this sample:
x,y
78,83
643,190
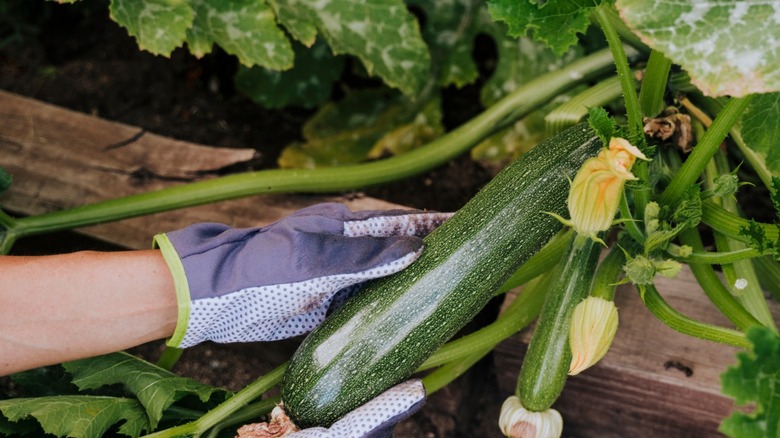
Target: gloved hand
x,y
375,419
277,281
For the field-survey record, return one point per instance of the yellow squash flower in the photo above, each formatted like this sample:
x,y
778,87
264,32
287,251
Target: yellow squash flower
x,y
595,192
593,326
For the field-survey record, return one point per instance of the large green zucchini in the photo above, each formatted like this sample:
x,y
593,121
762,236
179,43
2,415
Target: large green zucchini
x,y
380,337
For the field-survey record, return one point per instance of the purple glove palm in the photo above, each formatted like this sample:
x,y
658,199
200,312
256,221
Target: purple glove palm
x,y
274,282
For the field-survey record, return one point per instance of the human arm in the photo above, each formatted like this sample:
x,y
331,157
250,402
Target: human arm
x,y
63,307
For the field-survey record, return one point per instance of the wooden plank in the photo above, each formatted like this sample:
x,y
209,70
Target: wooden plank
x,y
653,381
61,159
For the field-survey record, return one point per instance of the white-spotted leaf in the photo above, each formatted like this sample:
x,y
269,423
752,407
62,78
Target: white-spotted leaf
x,y
159,26
729,47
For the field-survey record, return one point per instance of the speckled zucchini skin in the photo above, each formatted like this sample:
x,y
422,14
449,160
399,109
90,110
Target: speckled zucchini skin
x,y
383,334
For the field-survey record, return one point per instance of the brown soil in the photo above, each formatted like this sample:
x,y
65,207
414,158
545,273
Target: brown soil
x,y
75,57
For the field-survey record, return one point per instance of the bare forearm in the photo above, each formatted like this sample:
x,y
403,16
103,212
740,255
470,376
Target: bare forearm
x,y
65,307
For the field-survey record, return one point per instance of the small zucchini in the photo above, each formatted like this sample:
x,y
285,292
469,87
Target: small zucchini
x,y
546,363
386,331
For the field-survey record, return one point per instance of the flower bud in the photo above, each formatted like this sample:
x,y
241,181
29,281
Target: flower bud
x,y
518,422
596,190
593,326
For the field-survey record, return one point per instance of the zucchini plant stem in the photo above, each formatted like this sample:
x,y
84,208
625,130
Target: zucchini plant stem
x,y
714,288
445,374
694,165
248,413
730,224
651,93
720,257
225,409
683,324
605,280
328,180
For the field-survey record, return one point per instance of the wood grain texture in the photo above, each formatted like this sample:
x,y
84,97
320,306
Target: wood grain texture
x,y
60,159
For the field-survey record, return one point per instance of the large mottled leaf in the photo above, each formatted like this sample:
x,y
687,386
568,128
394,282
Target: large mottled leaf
x,y
555,22
756,380
308,84
245,28
79,415
158,26
450,29
520,60
348,131
728,47
761,129
384,35
155,387
296,23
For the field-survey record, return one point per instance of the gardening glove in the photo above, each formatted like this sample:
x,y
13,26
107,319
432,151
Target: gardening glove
x,y
277,281
375,419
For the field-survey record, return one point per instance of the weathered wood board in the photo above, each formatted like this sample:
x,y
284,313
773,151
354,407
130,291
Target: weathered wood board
x,y
61,159
654,381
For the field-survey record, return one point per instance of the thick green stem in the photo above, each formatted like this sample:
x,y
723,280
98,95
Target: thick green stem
x,y
741,278
605,280
651,94
632,225
623,70
328,180
683,324
714,288
225,409
768,270
705,149
730,224
719,258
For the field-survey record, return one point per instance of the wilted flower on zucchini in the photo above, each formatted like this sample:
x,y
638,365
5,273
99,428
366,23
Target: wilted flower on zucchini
x,y
596,190
517,422
593,326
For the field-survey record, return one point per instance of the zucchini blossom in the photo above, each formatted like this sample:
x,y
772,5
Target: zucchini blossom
x,y
593,326
596,190
516,421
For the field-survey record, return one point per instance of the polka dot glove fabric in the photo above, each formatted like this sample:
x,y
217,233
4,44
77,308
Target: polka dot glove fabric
x,y
277,281
377,418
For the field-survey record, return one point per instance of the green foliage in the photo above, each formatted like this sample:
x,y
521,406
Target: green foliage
x,y
308,84
729,48
761,129
556,22
5,180
755,379
77,415
155,388
86,398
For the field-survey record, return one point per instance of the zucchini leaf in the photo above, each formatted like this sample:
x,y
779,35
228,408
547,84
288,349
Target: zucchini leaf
x,y
159,26
385,36
244,28
728,48
363,125
760,127
156,388
555,22
74,415
755,379
308,84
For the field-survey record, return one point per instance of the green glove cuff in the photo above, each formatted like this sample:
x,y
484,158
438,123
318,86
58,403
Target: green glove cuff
x,y
182,287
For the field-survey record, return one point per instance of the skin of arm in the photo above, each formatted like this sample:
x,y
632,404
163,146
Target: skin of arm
x,y
64,307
